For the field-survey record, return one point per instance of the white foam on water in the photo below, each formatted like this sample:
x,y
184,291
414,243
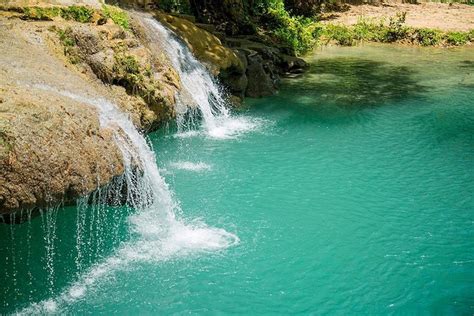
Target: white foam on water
x,y
191,166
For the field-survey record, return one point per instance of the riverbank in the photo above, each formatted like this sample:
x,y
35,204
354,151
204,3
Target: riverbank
x,y
441,16
427,24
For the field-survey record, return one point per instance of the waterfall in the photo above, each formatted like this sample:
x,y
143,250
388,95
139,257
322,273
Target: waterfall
x,y
199,89
158,233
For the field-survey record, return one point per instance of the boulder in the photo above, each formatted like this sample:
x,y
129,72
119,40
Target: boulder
x,y
262,81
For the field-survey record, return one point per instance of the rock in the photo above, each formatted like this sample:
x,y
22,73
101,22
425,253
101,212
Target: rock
x,y
261,79
235,81
53,150
118,58
292,65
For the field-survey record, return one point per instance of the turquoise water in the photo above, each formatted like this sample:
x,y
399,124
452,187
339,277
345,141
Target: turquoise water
x,y
353,196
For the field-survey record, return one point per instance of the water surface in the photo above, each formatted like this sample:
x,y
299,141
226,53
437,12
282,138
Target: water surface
x,y
354,196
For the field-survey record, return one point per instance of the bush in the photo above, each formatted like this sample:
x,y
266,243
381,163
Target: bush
x,y
367,30
428,37
458,38
396,29
341,34
296,32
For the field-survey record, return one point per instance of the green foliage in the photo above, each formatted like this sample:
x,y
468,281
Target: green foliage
x,y
395,31
298,33
175,6
341,34
69,42
77,13
66,38
127,64
428,37
458,38
396,28
117,15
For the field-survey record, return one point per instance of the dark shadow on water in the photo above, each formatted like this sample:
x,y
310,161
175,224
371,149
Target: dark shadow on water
x,y
467,64
355,83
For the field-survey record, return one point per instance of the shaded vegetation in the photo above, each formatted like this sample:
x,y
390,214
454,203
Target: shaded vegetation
x,y
69,43
77,13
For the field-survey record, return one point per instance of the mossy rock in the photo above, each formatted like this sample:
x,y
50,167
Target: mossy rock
x,y
204,45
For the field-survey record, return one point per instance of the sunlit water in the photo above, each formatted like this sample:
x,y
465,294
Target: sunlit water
x,y
353,195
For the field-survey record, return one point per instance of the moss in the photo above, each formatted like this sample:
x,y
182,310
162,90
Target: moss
x,y
126,64
69,42
77,13
39,13
117,15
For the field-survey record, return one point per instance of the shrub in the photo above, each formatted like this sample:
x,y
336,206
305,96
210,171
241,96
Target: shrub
x,y
396,29
341,34
368,30
428,37
117,15
296,32
457,38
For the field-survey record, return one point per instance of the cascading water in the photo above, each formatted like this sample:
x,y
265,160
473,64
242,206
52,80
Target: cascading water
x,y
155,232
199,89
158,233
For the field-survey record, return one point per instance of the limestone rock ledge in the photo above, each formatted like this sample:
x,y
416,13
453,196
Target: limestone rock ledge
x,y
53,148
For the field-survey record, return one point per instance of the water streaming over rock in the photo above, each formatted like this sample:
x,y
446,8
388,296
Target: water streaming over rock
x,y
157,232
200,92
